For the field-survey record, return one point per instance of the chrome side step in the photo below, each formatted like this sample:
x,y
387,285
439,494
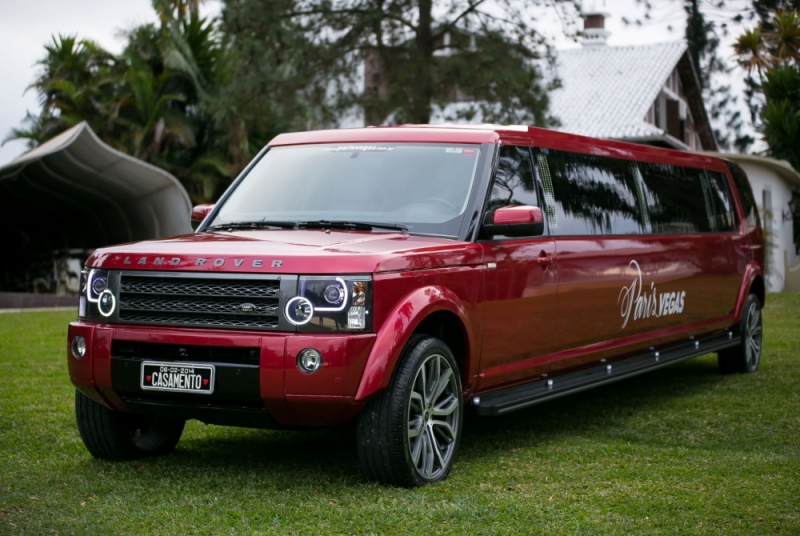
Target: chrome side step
x,y
522,396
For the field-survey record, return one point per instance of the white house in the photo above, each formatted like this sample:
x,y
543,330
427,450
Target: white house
x,y
772,182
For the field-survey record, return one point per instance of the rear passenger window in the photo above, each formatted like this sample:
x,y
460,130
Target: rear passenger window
x,y
514,182
722,202
590,195
677,202
745,195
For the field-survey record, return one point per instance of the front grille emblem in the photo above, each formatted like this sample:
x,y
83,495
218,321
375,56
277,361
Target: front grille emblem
x,y
248,308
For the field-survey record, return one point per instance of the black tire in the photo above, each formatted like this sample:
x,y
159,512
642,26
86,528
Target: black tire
x,y
118,436
745,356
400,424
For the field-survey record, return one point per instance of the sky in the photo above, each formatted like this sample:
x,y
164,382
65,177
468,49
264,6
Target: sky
x,y
26,25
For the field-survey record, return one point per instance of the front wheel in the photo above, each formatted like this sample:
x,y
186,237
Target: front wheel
x,y
745,356
114,435
408,435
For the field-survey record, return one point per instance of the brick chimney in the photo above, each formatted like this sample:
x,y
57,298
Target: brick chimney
x,y
594,32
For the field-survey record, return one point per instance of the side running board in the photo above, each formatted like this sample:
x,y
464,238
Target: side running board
x,y
522,396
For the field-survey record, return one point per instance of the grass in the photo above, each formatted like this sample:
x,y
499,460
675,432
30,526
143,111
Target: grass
x,y
683,450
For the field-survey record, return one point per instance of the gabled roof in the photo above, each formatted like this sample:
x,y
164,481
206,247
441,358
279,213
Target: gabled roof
x,y
606,91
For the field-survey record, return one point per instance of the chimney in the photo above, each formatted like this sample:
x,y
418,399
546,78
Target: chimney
x,y
594,32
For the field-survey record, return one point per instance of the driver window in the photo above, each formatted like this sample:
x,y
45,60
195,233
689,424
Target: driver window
x,y
514,182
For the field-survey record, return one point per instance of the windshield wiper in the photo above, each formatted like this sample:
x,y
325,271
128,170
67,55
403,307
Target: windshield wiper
x,y
239,225
355,225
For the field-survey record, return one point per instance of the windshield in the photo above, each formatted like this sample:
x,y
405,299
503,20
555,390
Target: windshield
x,y
424,187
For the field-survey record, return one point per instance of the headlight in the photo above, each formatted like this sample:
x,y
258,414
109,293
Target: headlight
x,y
96,300
326,303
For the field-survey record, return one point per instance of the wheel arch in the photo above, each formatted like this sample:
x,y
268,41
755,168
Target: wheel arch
x,y
431,310
752,283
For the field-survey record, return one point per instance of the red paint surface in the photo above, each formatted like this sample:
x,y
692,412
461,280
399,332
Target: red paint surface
x,y
547,304
517,214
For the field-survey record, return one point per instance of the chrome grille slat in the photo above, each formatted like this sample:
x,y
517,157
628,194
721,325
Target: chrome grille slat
x,y
196,301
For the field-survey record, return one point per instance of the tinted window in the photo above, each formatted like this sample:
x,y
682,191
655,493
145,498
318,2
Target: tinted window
x,y
677,201
590,195
514,183
745,194
722,202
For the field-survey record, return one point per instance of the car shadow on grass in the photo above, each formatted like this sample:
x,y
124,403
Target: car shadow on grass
x,y
310,457
601,411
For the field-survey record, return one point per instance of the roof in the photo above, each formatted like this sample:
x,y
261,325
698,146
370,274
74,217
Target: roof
x,y
448,133
779,167
606,91
76,191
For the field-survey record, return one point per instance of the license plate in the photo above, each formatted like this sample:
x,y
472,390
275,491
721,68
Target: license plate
x,y
178,377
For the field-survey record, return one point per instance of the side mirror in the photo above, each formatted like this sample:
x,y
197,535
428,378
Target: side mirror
x,y
520,220
200,212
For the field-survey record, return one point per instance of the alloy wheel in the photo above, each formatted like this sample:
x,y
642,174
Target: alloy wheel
x,y
753,336
433,416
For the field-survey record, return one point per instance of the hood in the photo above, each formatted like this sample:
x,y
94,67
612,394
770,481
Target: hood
x,y
291,251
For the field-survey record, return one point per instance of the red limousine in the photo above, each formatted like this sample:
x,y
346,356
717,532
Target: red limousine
x,y
398,277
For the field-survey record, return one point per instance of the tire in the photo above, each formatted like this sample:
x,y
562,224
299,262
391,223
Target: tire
x,y
118,436
408,435
745,356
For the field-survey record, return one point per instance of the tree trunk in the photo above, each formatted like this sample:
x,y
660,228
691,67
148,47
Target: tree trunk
x,y
422,95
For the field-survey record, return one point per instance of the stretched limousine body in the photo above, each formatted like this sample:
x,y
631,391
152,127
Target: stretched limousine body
x,y
401,276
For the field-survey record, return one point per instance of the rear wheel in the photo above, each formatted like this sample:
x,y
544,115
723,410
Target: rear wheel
x,y
114,435
408,435
745,356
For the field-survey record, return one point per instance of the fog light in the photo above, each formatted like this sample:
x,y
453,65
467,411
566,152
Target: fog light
x,y
309,361
78,347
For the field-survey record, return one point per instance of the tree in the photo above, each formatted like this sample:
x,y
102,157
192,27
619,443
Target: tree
x,y
772,52
707,22
161,100
417,56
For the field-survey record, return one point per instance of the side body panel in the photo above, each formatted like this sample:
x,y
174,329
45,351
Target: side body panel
x,y
519,312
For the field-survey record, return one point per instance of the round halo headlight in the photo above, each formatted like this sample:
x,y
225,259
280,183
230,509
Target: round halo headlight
x,y
99,284
78,347
106,303
333,294
309,361
299,311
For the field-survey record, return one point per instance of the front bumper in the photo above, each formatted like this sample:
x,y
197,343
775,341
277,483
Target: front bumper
x,y
268,391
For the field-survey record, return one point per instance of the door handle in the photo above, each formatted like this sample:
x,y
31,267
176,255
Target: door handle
x,y
544,261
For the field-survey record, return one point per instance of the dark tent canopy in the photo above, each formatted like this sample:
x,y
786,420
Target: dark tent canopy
x,y
74,194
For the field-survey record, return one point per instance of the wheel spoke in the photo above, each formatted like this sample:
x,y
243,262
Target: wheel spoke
x,y
446,406
416,449
424,387
755,347
436,449
417,403
756,332
436,374
445,430
441,385
427,454
415,426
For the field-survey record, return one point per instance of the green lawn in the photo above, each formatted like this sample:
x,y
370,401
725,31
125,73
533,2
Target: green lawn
x,y
683,450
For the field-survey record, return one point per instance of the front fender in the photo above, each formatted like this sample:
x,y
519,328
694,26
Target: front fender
x,y
398,327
